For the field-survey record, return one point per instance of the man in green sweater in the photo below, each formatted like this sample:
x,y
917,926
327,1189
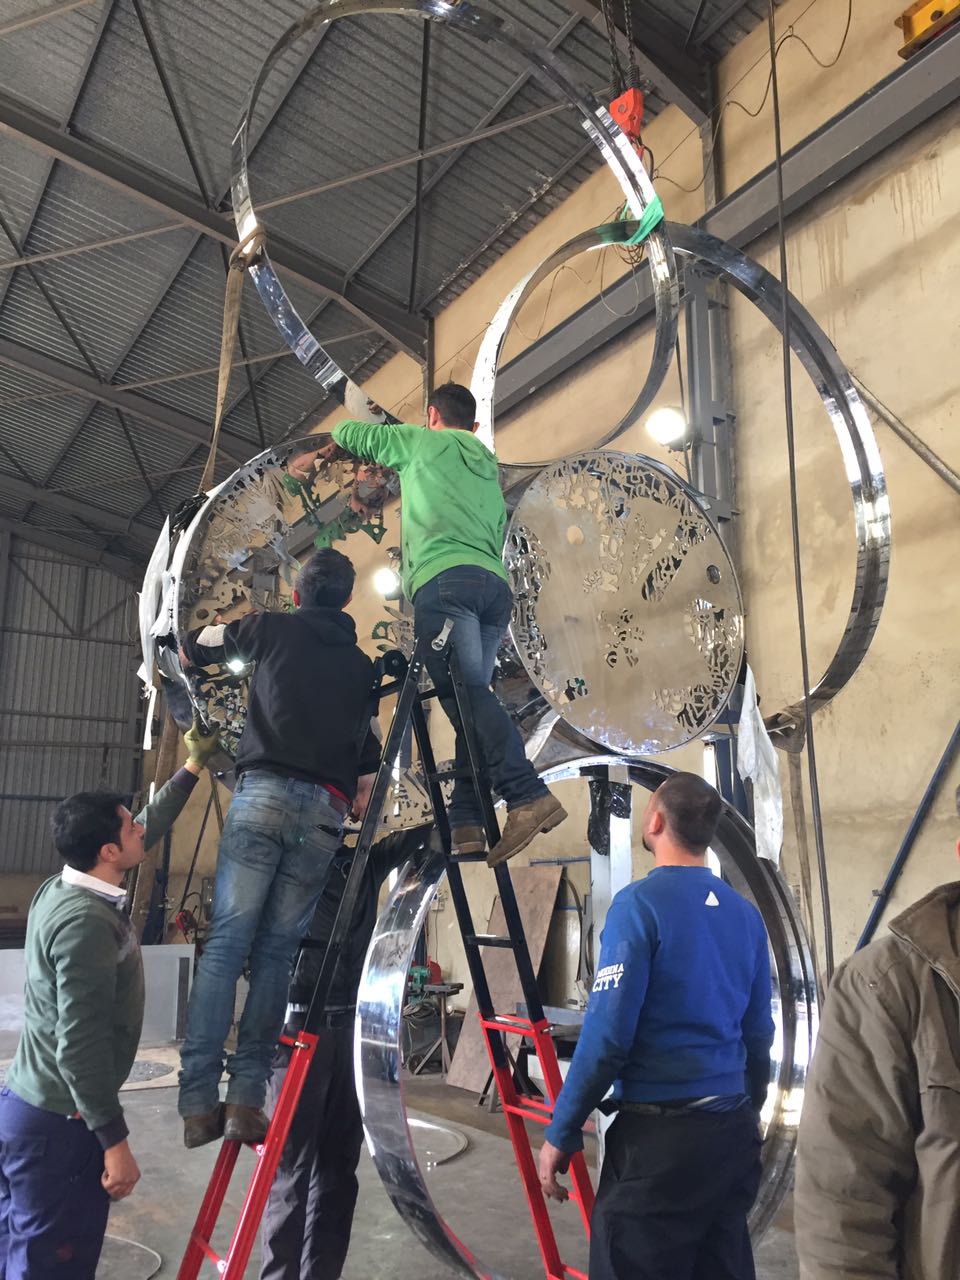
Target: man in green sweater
x,y
64,1153
454,520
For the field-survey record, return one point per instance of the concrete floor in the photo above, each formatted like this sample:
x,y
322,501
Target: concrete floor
x,y
477,1192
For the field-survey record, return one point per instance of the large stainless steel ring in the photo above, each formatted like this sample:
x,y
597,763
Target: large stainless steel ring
x,y
377,1047
615,147
851,424
483,383
834,384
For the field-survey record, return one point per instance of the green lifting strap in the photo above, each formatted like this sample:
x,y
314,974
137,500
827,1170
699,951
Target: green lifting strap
x,y
652,217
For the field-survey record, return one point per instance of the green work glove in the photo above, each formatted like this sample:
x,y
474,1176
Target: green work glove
x,y
200,744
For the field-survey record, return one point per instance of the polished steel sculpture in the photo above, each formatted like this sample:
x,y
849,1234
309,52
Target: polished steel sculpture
x,y
240,550
860,456
461,16
381,1000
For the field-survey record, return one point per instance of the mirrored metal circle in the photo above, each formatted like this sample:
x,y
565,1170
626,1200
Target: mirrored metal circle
x,y
627,614
380,1081
241,552
436,1143
243,549
484,380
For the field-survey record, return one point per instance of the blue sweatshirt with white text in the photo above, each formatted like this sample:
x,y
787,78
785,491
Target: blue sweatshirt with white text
x,y
680,1003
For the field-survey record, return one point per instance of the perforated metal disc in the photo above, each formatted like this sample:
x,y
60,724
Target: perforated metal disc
x,y
628,616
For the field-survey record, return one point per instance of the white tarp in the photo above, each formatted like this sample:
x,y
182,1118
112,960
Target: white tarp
x,y
757,760
154,587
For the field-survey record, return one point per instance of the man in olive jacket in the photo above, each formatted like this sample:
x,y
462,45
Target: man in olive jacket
x,y
878,1165
64,1153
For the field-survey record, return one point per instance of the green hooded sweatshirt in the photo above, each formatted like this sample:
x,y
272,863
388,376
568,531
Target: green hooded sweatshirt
x,y
453,509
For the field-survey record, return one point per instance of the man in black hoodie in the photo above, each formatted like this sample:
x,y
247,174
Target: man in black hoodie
x,y
306,758
309,1216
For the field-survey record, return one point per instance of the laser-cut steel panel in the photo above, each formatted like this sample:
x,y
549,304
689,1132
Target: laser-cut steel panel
x,y
237,554
628,617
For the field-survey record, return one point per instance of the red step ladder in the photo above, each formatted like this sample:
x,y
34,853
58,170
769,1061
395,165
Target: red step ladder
x,y
519,1109
268,1153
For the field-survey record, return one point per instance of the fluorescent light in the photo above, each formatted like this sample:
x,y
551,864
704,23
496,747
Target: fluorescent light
x,y
667,425
386,583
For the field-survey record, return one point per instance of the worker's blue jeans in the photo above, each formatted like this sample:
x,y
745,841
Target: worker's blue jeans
x,y
275,854
479,604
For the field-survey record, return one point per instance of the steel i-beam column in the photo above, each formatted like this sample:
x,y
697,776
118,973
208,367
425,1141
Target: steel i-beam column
x,y
710,415
610,835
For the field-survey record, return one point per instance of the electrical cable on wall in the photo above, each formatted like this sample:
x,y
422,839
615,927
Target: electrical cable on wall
x,y
795,508
729,101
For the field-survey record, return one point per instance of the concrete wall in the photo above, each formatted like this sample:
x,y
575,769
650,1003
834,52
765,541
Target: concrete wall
x,y
877,262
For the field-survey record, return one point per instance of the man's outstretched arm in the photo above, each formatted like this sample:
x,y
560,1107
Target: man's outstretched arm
x,y
391,444
609,1030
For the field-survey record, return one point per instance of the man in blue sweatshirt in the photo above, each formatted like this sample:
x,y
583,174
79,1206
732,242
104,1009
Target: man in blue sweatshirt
x,y
679,1024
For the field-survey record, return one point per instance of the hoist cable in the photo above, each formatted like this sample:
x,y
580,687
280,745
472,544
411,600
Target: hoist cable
x,y
794,508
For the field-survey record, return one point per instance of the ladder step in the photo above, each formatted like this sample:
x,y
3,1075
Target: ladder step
x,y
487,940
449,775
466,857
537,1116
215,1258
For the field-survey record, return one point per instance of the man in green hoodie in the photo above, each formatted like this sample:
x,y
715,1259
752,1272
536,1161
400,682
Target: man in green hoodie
x,y
454,520
64,1153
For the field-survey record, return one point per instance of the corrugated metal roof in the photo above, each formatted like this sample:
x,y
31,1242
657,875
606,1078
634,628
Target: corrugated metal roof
x,y
22,174
11,508
723,24
43,64
147,312
102,450
28,318
35,422
213,53
124,105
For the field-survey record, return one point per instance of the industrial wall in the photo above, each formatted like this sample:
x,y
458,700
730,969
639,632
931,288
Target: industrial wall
x,y
69,703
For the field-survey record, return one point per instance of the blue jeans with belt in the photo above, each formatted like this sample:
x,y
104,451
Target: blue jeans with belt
x,y
53,1208
275,855
479,604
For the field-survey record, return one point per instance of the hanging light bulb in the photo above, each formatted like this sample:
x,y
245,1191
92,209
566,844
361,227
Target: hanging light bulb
x,y
386,583
668,426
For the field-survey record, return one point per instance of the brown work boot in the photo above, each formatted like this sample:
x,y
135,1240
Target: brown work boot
x,y
201,1129
244,1124
468,839
525,822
